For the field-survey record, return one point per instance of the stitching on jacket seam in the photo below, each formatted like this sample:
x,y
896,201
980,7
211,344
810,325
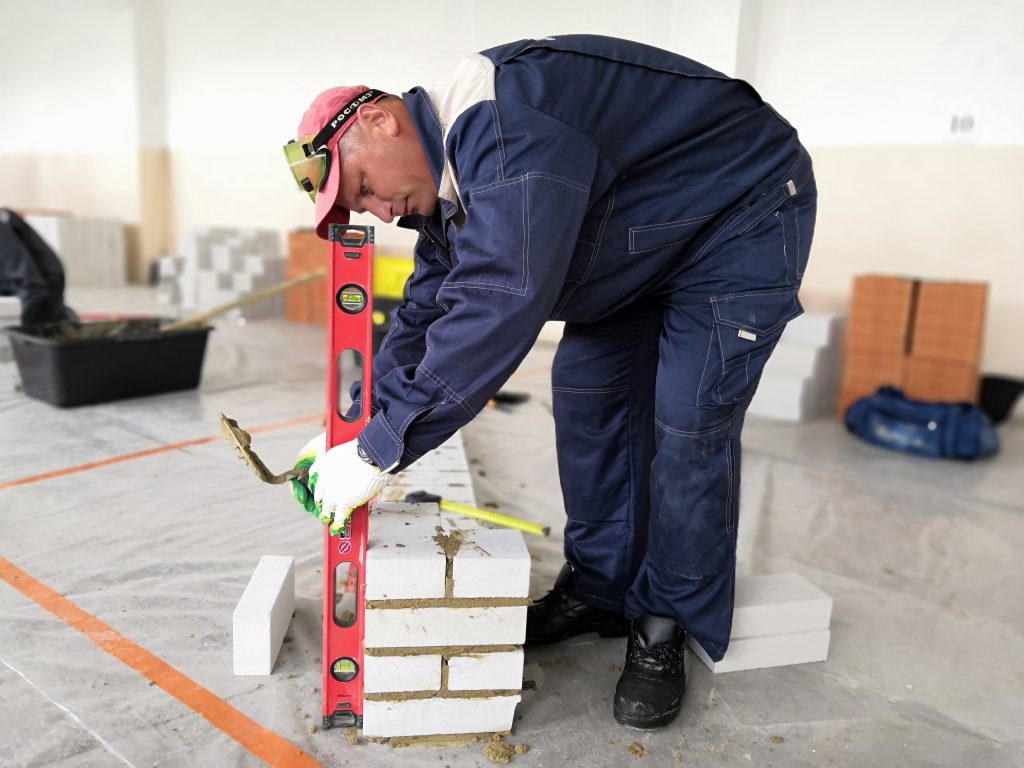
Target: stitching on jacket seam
x,y
591,390
667,224
707,358
655,248
785,252
447,389
524,281
487,287
699,433
526,177
499,138
796,223
593,255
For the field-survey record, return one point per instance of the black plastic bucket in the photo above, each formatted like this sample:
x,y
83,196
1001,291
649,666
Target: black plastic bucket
x,y
98,362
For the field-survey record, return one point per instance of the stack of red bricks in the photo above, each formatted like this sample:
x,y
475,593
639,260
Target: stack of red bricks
x,y
923,336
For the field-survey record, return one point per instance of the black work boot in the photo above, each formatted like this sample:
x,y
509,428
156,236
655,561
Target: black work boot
x,y
560,615
650,690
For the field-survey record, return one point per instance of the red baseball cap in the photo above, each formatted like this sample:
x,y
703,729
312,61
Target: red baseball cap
x,y
331,114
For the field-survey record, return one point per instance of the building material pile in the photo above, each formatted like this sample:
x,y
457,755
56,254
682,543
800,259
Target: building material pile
x,y
778,619
91,249
923,336
219,264
444,624
801,378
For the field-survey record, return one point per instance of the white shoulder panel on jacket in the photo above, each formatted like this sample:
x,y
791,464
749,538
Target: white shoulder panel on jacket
x,y
469,83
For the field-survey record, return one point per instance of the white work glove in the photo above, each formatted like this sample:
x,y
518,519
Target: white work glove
x,y
341,480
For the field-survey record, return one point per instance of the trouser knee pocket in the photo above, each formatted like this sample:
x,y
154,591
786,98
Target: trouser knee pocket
x,y
695,486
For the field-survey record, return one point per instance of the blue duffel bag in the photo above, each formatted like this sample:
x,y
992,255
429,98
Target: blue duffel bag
x,y
935,430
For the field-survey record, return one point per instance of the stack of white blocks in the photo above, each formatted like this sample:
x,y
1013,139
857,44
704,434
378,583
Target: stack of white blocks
x,y
778,619
444,472
91,250
801,378
217,265
443,634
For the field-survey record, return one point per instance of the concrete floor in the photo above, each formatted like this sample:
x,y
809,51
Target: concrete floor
x,y
926,666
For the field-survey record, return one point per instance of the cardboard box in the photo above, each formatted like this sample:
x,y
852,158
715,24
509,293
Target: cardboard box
x,y
923,336
949,322
865,371
306,303
940,380
880,314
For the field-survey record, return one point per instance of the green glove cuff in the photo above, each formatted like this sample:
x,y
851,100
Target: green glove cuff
x,y
303,493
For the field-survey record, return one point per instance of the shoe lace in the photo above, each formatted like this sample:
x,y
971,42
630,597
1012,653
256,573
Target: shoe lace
x,y
663,657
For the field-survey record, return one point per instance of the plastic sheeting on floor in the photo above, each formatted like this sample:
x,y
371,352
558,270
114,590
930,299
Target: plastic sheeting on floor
x,y
922,558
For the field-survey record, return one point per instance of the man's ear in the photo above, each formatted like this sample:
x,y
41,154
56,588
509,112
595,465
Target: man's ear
x,y
378,118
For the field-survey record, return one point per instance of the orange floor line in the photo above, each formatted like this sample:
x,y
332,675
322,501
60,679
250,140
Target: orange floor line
x,y
149,452
264,744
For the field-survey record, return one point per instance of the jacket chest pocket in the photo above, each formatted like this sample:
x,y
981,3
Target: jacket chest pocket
x,y
746,328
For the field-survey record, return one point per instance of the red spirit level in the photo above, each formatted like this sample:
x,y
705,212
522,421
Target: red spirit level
x,y
349,346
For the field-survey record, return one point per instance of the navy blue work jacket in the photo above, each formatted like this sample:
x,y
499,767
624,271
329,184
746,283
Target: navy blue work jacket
x,y
574,176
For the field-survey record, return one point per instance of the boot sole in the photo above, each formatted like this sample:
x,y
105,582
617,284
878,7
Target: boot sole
x,y
648,724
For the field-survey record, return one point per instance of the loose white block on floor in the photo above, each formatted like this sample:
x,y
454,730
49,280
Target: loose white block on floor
x,y
768,651
778,603
427,717
778,619
263,614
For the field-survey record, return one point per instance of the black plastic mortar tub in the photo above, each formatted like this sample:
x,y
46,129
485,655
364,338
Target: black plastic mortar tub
x,y
66,365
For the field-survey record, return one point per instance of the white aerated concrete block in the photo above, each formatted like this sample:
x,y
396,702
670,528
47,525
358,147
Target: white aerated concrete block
x,y
391,674
498,671
817,329
492,563
402,559
428,717
92,250
776,604
768,651
421,627
801,378
263,614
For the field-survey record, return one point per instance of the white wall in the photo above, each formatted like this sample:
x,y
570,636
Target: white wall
x,y
213,88
877,72
66,76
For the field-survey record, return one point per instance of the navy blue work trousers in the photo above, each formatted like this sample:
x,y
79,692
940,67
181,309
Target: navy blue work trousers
x,y
649,406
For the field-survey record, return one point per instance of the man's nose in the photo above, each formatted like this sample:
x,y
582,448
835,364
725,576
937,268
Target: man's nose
x,y
380,209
